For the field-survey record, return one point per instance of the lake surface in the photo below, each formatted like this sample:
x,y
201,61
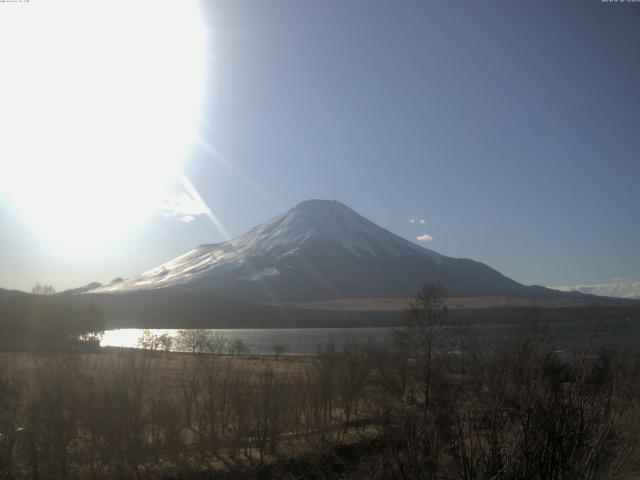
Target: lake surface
x,y
567,336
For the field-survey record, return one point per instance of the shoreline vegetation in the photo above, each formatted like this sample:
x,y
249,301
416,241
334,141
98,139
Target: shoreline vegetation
x,y
432,404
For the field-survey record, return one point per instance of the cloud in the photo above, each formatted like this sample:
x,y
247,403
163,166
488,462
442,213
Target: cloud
x,y
616,287
413,220
422,221
183,207
424,238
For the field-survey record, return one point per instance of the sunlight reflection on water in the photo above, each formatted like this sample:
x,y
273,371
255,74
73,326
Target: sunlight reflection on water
x,y
262,341
567,335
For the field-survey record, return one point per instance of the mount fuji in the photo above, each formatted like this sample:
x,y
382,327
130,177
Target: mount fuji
x,y
319,250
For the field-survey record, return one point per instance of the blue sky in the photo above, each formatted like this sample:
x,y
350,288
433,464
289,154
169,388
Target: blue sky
x,y
511,128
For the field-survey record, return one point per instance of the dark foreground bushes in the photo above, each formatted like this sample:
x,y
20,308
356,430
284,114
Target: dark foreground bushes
x,y
521,412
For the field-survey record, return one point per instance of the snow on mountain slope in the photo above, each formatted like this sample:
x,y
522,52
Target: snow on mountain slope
x,y
331,220
279,237
319,250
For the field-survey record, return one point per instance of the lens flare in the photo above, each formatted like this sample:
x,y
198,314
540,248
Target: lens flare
x,y
99,104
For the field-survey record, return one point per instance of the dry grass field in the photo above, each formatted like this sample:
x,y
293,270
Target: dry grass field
x,y
168,365
131,413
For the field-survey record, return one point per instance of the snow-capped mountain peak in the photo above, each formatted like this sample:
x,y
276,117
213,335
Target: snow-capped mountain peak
x,y
325,220
318,249
328,219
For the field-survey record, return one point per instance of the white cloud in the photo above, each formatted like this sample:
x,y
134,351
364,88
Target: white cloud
x,y
617,287
422,221
413,220
183,206
424,238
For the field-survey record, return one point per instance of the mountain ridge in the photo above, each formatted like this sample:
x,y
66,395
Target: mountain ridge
x,y
317,250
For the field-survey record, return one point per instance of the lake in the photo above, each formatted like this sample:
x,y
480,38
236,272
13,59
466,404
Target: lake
x,y
305,341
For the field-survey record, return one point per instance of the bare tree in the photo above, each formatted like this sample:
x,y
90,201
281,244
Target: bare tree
x,y
149,340
214,343
279,349
351,380
238,347
192,340
423,317
165,342
43,289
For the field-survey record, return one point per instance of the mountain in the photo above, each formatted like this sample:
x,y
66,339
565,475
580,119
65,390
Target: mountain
x,y
319,250
83,289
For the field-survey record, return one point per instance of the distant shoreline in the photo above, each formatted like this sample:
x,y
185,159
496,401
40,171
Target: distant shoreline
x,y
314,318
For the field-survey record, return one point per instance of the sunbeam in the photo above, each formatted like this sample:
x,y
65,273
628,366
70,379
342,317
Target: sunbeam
x,y
238,172
193,192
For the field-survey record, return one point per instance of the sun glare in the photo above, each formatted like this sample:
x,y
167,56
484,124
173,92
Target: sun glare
x,y
99,103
